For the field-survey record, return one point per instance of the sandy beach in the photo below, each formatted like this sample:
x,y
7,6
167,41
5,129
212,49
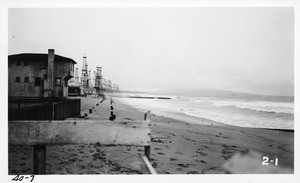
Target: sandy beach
x,y
177,147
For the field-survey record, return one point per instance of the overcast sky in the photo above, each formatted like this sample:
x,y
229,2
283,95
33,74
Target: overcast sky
x,y
237,49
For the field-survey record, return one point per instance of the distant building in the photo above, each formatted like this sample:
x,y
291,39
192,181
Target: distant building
x,y
75,91
39,75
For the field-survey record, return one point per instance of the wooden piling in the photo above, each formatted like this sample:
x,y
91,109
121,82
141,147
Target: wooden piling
x,y
147,152
39,159
147,148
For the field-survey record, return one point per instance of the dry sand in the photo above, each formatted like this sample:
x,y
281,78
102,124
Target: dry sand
x,y
177,147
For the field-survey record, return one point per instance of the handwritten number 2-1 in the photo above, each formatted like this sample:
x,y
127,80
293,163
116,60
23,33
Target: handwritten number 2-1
x,y
20,178
265,160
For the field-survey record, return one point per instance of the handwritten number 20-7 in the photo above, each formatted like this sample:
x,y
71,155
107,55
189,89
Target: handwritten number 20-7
x,y
20,178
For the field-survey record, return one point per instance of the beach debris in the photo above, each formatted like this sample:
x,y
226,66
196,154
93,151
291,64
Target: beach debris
x,y
157,139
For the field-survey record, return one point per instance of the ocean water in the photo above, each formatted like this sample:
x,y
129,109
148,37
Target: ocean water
x,y
241,110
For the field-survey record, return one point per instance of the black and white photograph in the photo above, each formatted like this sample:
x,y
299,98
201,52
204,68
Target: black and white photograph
x,y
150,90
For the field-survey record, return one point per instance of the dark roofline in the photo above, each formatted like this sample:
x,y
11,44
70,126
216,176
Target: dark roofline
x,y
37,57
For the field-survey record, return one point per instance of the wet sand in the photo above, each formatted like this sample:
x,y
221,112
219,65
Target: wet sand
x,y
177,147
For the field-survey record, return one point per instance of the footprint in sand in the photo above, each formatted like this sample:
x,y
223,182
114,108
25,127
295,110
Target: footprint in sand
x,y
91,151
183,165
173,159
201,153
157,148
178,169
228,151
193,172
160,153
154,164
203,161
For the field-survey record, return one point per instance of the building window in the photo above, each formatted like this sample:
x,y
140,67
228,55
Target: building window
x,y
37,81
26,80
45,76
25,63
18,63
18,79
43,64
57,81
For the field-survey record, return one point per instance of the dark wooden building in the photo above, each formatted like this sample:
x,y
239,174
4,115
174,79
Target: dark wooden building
x,y
39,75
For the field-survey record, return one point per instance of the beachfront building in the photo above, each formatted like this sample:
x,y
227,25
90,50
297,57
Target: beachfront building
x,y
103,85
106,85
39,75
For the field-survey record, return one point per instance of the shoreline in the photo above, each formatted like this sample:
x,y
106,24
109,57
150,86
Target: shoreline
x,y
177,147
193,119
